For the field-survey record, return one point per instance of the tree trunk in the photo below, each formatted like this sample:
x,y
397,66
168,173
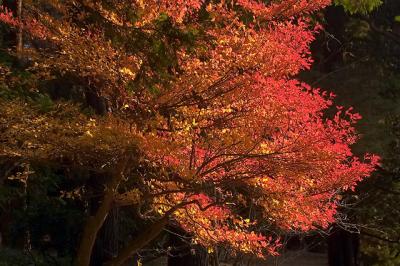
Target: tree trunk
x,y
343,248
91,229
142,240
20,42
94,223
106,245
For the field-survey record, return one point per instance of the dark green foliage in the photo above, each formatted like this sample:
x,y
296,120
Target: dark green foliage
x,y
359,6
380,209
44,214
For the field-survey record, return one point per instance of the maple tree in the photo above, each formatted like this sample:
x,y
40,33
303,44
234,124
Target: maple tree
x,y
204,122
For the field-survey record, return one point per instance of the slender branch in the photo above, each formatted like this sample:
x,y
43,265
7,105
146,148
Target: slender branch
x,y
394,37
393,241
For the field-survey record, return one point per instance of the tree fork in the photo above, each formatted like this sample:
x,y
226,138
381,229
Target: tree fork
x,y
142,240
94,223
146,237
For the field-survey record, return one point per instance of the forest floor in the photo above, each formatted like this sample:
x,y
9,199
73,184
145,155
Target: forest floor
x,y
291,258
298,258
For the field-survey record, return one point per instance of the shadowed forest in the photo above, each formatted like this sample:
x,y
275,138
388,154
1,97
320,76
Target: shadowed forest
x,y
200,132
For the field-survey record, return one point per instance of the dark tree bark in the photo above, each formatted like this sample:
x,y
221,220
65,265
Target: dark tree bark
x,y
106,245
343,248
95,222
182,253
20,41
149,234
